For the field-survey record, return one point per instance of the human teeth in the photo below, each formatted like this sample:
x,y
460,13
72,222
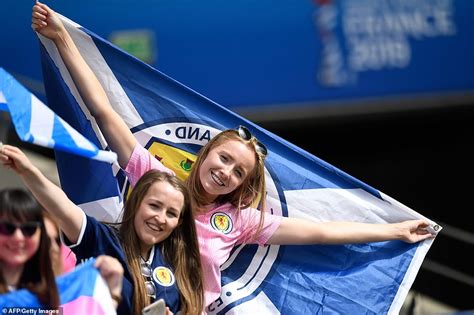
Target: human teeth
x,y
154,227
217,179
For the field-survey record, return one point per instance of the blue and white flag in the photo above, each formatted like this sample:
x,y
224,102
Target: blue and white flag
x,y
81,291
173,122
35,123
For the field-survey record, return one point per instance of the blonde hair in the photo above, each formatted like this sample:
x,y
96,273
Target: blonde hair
x,y
244,196
180,249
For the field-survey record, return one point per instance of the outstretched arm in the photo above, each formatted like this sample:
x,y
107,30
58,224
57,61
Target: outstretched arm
x,y
120,139
50,196
298,231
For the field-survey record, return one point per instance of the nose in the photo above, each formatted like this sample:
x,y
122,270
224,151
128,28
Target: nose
x,y
18,234
226,171
160,217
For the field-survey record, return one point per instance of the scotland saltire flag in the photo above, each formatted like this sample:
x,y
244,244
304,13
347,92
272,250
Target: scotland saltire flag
x,y
35,123
82,291
173,122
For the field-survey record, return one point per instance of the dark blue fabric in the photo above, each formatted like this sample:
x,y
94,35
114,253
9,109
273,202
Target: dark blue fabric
x,y
102,239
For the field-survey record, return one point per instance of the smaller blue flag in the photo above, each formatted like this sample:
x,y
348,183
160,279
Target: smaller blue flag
x,y
35,123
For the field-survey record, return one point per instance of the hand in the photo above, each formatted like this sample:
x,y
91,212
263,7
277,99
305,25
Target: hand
x,y
112,272
413,231
46,22
14,158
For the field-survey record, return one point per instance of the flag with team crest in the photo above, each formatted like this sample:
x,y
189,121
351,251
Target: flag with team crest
x,y
173,122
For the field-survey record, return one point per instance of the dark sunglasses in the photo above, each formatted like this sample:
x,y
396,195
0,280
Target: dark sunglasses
x,y
28,228
245,134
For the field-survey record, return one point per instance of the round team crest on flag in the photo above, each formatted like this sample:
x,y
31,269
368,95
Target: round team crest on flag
x,y
163,276
221,222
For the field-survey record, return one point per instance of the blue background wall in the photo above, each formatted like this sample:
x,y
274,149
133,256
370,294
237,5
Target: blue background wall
x,y
281,52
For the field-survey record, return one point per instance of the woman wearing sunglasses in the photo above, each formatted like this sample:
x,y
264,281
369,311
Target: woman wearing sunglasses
x,y
24,248
25,251
155,242
226,179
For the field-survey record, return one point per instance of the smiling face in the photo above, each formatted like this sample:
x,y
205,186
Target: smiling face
x,y
158,214
17,249
225,168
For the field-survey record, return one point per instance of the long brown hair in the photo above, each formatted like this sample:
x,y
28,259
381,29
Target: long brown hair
x,y
56,259
18,205
247,194
180,249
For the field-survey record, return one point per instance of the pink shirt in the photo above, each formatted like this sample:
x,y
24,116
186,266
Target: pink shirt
x,y
218,230
68,257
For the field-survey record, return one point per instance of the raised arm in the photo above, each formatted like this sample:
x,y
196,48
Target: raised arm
x,y
50,196
120,139
298,231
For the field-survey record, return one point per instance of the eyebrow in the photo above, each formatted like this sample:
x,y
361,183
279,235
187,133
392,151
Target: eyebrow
x,y
226,152
154,199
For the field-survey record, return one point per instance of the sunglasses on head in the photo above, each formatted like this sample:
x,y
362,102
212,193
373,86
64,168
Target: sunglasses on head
x,y
27,228
245,134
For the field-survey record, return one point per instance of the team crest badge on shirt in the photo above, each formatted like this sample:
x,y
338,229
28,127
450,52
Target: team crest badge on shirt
x,y
163,276
221,222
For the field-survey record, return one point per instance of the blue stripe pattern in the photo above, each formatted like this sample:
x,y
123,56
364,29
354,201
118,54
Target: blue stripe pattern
x,y
19,105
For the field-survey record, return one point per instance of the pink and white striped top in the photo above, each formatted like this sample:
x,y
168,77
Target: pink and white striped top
x,y
219,229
